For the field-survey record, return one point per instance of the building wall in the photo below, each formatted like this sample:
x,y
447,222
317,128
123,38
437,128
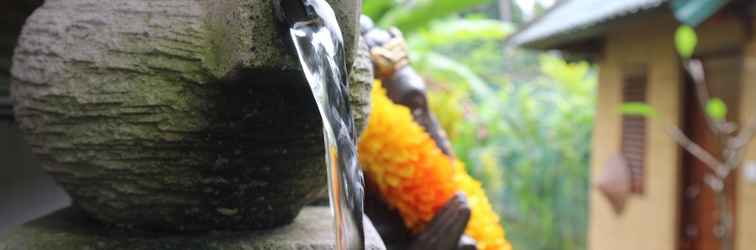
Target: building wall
x,y
648,221
746,193
651,221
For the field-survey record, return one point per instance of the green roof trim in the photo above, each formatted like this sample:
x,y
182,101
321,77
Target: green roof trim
x,y
695,12
571,21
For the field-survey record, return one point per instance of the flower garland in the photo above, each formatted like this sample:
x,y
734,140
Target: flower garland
x,y
416,178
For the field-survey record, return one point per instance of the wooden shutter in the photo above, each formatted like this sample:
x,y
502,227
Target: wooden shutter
x,y
634,128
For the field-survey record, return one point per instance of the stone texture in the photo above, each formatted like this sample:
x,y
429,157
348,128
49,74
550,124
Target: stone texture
x,y
69,230
244,33
171,115
361,82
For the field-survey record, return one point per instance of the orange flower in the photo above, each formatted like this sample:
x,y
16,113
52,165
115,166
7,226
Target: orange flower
x,y
416,178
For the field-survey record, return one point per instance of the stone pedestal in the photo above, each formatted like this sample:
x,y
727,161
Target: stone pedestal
x,y
69,229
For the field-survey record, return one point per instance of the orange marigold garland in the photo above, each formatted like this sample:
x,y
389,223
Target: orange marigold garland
x,y
416,178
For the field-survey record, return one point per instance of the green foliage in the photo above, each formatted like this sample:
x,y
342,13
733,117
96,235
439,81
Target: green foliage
x,y
637,108
685,41
521,121
415,14
377,8
716,109
529,143
461,30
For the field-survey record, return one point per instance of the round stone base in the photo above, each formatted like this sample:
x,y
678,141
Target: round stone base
x,y
69,229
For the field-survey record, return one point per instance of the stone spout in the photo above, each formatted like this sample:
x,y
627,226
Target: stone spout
x,y
245,33
174,115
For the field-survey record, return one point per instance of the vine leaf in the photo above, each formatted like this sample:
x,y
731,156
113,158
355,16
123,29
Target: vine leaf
x,y
716,109
637,108
685,41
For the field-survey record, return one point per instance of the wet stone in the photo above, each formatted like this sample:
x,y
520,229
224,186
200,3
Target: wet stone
x,y
69,229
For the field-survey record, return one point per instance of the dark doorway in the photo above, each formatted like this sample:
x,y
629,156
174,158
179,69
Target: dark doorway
x,y
698,210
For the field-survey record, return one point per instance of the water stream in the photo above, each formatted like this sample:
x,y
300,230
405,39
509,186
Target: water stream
x,y
320,48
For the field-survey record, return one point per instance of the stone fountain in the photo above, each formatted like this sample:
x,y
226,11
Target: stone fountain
x,y
175,124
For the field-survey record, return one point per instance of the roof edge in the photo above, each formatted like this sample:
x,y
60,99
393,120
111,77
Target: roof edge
x,y
576,35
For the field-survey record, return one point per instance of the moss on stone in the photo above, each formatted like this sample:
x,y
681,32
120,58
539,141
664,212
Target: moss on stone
x,y
154,115
69,229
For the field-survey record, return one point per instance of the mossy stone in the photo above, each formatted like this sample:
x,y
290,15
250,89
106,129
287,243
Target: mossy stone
x,y
175,115
68,229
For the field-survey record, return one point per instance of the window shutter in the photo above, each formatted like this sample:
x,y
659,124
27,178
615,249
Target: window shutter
x,y
634,129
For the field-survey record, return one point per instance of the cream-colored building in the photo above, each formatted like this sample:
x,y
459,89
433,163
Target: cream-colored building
x,y
632,42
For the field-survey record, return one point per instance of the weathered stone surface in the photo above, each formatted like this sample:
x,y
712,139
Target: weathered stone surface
x,y
243,33
133,107
69,230
361,82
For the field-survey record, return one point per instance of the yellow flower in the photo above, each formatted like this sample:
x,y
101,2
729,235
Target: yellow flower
x,y
416,178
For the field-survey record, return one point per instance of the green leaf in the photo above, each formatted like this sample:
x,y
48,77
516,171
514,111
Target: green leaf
x,y
441,62
638,108
457,31
685,41
716,109
411,17
375,9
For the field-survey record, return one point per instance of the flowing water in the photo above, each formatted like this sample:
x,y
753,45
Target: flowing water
x,y
320,48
